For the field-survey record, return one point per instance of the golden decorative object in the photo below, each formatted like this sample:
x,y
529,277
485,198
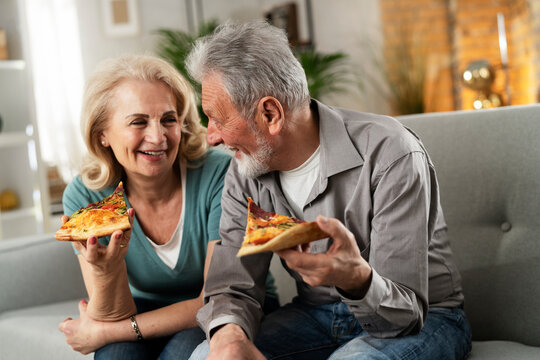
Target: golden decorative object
x,y
479,75
8,200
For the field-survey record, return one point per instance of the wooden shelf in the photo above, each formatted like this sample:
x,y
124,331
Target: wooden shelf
x,y
10,215
12,64
14,138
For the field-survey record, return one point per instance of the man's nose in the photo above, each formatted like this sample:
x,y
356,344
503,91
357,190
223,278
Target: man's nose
x,y
213,136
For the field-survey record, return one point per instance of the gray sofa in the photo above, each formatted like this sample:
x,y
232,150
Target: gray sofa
x,y
488,163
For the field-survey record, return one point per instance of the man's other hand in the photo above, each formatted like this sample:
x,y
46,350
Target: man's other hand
x,y
231,342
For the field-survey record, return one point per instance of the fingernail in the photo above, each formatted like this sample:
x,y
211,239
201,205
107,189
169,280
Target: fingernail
x,y
324,219
84,301
118,236
92,240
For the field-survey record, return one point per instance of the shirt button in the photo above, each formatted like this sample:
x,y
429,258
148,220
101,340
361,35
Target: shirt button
x,y
506,226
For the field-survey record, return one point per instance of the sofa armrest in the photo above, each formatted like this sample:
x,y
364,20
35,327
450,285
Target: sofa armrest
x,y
38,270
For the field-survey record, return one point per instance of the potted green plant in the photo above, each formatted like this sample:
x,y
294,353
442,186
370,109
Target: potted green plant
x,y
326,73
175,45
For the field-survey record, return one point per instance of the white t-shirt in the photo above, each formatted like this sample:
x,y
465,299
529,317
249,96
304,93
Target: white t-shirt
x,y
170,251
297,183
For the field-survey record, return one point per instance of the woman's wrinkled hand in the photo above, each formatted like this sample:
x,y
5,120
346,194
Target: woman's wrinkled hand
x,y
105,259
84,335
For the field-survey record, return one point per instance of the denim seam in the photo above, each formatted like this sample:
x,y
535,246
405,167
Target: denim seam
x,y
304,351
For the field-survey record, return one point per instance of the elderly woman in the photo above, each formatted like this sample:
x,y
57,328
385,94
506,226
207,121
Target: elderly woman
x,y
141,126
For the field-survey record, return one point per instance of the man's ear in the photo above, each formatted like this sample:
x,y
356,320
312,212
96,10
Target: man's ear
x,y
272,114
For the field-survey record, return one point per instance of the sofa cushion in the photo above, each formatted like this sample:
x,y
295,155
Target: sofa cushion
x,y
503,350
488,166
32,333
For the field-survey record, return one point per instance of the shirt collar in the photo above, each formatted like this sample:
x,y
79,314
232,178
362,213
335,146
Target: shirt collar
x,y
338,153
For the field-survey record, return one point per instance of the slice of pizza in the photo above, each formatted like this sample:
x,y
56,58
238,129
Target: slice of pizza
x,y
98,219
267,231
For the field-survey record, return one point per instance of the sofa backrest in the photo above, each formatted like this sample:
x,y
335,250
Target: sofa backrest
x,y
38,270
488,166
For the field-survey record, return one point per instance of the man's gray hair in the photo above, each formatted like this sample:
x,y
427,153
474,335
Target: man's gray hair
x,y
254,60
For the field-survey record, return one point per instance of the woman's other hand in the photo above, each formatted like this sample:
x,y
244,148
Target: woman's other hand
x,y
84,335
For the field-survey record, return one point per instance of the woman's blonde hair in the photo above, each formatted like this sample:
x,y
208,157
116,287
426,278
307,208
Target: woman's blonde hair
x,y
101,169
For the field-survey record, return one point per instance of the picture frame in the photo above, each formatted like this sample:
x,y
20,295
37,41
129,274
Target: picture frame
x,y
3,45
285,17
120,18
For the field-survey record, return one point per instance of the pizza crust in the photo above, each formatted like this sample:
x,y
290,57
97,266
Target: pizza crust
x,y
104,230
299,234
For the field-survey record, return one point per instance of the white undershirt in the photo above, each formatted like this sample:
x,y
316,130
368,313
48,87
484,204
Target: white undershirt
x,y
170,251
297,183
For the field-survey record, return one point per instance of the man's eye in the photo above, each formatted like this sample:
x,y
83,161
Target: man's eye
x,y
170,120
217,124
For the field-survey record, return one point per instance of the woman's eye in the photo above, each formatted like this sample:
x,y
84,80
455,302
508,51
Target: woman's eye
x,y
138,122
170,120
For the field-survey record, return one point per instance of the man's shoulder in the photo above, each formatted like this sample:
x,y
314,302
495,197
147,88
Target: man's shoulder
x,y
379,135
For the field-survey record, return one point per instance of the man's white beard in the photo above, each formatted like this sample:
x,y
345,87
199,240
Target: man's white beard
x,y
255,165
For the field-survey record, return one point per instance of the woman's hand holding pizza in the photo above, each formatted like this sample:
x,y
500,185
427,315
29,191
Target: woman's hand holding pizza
x,y
341,266
105,275
105,259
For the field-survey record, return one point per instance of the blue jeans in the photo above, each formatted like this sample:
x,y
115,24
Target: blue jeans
x,y
299,331
178,346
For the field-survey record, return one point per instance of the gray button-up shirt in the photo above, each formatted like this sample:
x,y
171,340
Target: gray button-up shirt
x,y
376,178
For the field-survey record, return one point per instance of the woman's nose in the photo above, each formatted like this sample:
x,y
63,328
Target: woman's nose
x,y
155,133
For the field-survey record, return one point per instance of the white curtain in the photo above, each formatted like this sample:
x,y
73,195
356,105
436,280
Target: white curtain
x,y
56,63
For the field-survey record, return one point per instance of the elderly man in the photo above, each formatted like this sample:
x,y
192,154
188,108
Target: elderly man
x,y
383,285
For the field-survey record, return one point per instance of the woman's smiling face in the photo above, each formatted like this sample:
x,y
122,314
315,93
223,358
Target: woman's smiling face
x,y
143,128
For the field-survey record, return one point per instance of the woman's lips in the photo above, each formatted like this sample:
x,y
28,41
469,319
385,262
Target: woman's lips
x,y
152,155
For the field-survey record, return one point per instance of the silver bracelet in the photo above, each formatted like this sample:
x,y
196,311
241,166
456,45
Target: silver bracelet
x,y
135,327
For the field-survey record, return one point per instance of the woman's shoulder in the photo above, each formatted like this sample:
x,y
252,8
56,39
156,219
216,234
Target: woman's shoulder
x,y
76,186
210,172
213,161
215,156
77,191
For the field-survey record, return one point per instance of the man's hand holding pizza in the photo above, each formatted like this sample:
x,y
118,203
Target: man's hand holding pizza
x,y
341,266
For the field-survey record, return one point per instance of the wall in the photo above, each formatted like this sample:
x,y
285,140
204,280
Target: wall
x,y
452,33
535,24
10,22
340,25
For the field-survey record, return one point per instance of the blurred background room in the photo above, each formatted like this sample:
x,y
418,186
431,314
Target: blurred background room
x,y
383,56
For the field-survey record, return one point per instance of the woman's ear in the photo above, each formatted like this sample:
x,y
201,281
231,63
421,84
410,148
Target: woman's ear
x,y
103,141
272,114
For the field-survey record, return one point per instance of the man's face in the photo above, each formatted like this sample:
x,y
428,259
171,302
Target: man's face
x,y
252,150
